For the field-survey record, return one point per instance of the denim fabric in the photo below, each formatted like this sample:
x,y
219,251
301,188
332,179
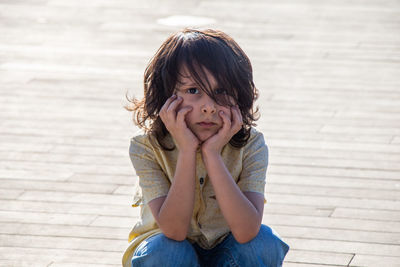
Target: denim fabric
x,y
266,249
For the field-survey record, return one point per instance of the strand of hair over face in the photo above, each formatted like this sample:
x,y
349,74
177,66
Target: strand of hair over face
x,y
196,49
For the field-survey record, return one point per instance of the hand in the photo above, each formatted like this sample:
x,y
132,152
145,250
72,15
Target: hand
x,y
230,127
175,123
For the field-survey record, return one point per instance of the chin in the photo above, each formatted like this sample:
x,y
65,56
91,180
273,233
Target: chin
x,y
203,134
203,137
202,140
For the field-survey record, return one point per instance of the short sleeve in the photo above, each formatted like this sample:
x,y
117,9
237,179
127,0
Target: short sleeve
x,y
255,162
153,182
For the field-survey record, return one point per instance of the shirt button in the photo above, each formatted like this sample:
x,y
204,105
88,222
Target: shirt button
x,y
201,180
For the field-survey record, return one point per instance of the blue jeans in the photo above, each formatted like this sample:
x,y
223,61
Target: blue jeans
x,y
266,249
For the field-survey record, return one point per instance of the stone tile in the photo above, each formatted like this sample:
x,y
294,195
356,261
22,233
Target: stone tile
x,y
371,260
328,76
318,258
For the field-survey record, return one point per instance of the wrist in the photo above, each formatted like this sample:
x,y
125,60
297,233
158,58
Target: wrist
x,y
211,151
210,155
186,147
187,151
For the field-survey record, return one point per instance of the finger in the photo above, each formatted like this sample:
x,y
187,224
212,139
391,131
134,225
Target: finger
x,y
174,104
237,115
170,112
237,119
167,103
165,117
226,122
180,117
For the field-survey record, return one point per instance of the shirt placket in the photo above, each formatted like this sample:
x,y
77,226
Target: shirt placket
x,y
201,179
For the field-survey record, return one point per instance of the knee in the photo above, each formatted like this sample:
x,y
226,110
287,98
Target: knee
x,y
160,248
271,243
266,249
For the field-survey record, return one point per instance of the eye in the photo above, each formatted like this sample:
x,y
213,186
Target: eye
x,y
192,90
220,91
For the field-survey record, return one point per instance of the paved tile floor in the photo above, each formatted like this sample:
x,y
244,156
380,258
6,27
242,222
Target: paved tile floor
x,y
329,79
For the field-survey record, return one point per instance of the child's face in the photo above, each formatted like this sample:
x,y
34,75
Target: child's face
x,y
203,120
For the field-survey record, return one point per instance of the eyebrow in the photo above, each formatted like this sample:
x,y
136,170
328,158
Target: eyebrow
x,y
180,84
193,83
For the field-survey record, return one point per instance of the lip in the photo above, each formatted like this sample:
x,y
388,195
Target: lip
x,y
206,124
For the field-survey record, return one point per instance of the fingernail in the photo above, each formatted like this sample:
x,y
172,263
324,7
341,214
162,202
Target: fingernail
x,y
173,96
221,112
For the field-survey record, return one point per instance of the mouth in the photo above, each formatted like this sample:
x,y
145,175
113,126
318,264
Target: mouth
x,y
206,124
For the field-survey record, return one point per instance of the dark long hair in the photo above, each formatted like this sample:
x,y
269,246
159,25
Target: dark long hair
x,y
210,49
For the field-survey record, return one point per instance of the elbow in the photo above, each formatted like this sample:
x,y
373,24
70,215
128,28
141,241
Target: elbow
x,y
246,236
177,234
173,230
176,237
244,239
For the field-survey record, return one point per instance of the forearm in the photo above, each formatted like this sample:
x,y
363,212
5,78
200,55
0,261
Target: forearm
x,y
241,215
176,212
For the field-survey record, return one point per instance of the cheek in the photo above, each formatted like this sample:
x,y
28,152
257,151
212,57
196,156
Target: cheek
x,y
183,104
185,101
189,118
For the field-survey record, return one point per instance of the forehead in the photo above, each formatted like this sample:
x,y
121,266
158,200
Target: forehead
x,y
186,78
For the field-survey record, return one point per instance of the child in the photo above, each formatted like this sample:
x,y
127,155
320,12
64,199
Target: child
x,y
201,165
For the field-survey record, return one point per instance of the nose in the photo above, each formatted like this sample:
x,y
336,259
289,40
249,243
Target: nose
x,y
208,105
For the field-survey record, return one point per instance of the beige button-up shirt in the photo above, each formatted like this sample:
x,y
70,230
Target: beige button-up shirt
x,y
155,168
